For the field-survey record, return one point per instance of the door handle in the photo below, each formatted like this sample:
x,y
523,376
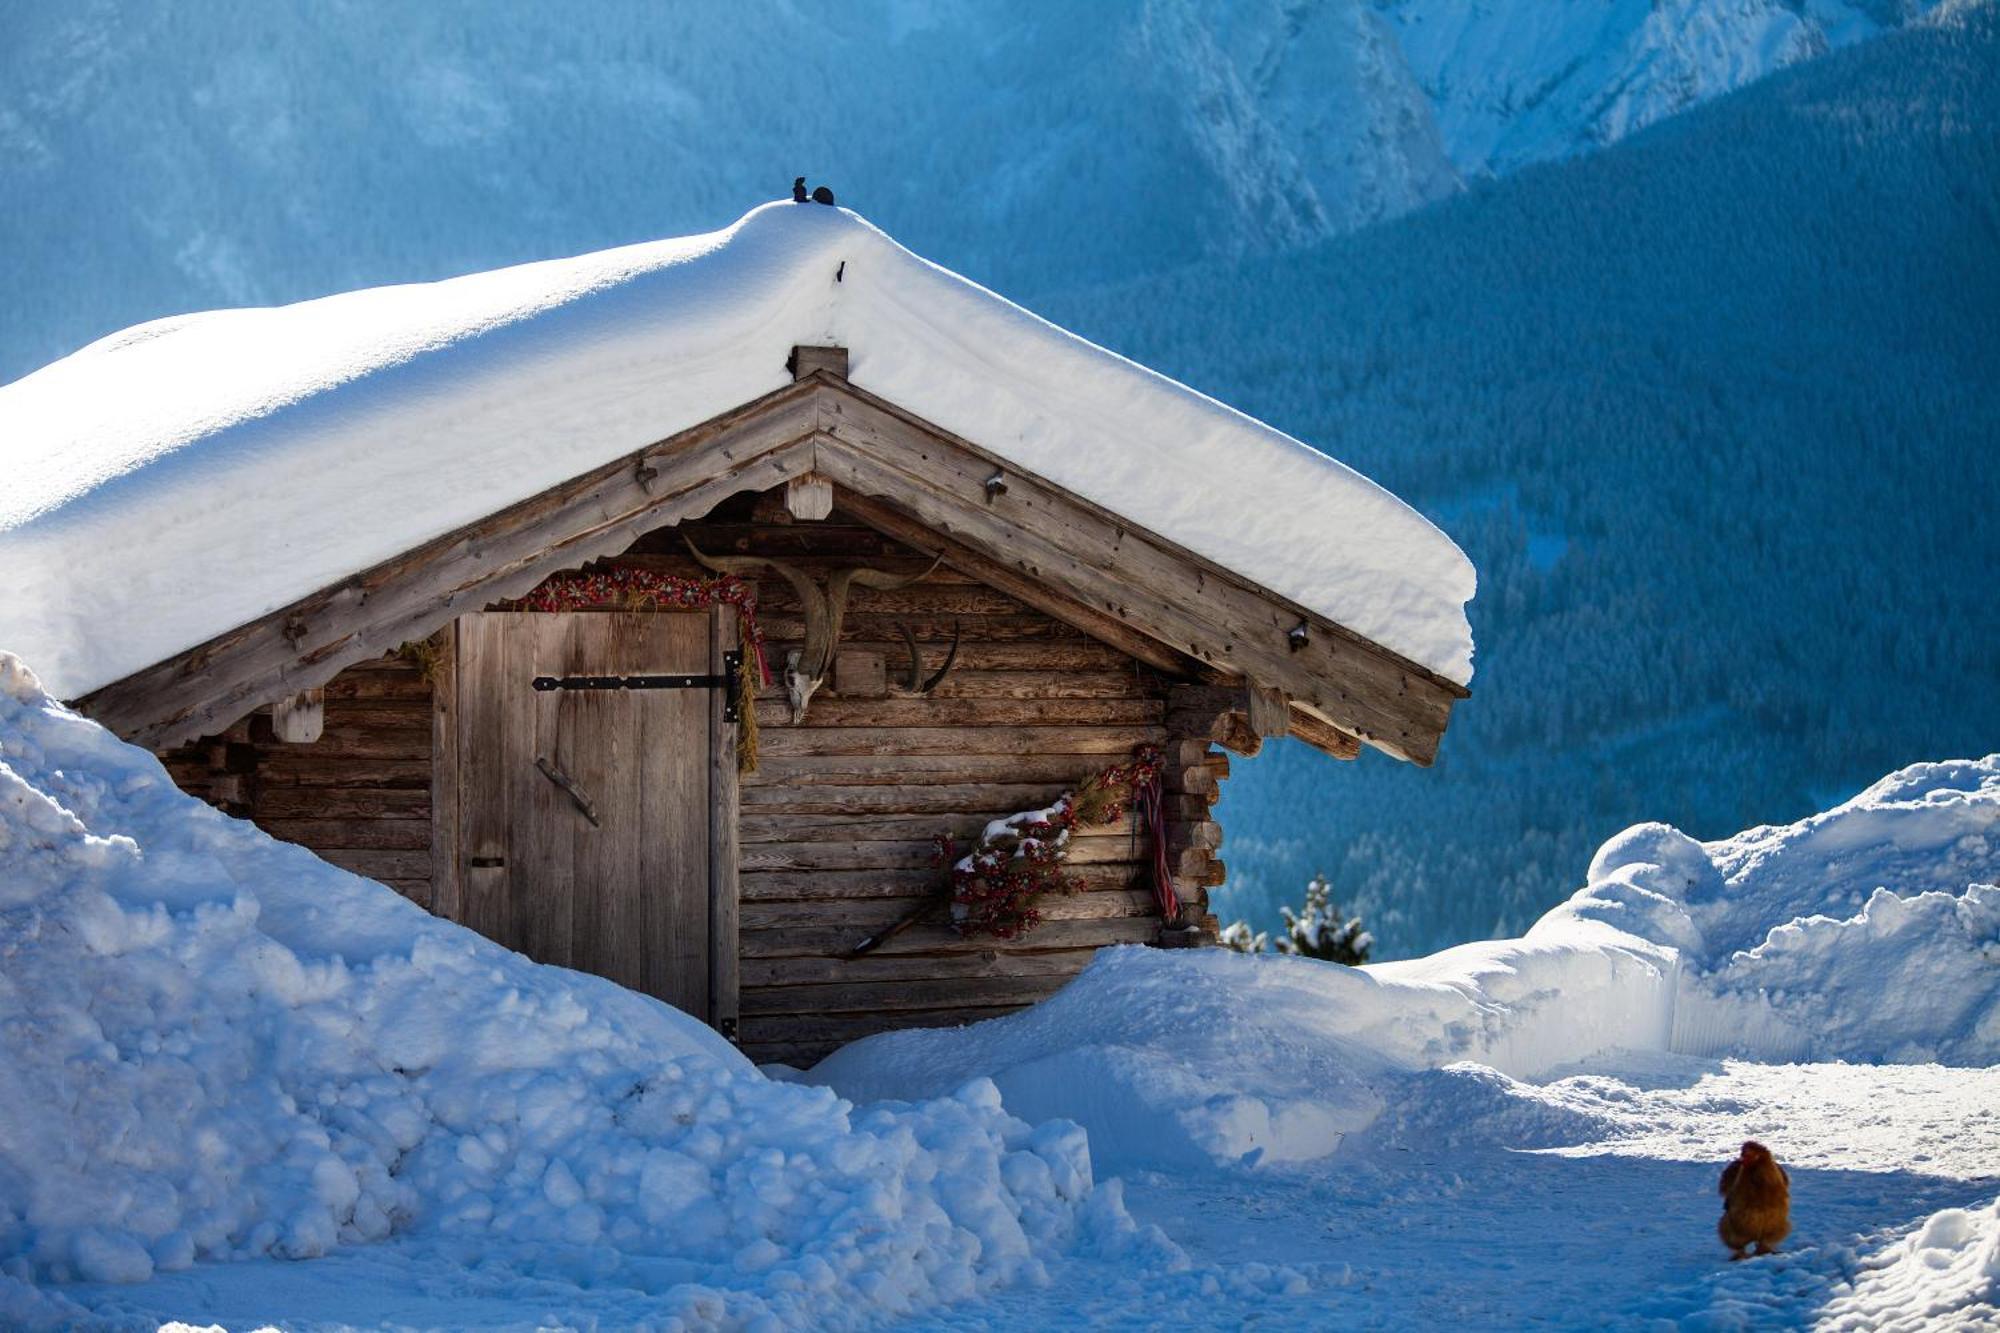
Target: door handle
x,y
568,784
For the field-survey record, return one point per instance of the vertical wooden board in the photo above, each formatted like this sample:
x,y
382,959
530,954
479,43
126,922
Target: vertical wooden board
x,y
676,777
444,895
482,745
723,862
545,818
602,748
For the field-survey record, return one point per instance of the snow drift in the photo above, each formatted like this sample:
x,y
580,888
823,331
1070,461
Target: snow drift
x,y
218,1046
1868,933
354,428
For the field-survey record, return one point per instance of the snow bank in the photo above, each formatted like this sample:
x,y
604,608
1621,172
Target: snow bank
x,y
1868,933
343,431
1168,1058
1946,1271
217,1046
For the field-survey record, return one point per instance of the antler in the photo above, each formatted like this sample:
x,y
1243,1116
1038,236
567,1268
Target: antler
x,y
917,661
840,582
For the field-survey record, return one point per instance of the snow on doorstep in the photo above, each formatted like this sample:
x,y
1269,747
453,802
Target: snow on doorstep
x,y
218,1047
1868,933
264,454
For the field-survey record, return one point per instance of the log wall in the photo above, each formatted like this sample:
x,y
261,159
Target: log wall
x,y
360,795
838,825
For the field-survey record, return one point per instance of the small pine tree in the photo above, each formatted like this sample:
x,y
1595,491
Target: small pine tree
x,y
1237,935
1321,931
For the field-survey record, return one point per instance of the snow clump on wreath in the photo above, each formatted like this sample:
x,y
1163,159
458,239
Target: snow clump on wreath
x,y
995,887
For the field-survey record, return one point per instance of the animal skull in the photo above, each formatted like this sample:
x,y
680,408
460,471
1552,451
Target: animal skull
x,y
824,608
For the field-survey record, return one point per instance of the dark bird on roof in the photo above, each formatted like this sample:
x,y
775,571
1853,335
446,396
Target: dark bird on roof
x,y
798,189
822,195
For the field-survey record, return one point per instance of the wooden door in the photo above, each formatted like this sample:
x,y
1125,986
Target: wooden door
x,y
596,827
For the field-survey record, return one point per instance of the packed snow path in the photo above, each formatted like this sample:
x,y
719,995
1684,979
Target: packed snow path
x,y
1431,1218
1437,1215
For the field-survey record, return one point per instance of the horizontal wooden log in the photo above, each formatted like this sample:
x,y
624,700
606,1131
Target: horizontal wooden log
x,y
992,961
1115,740
909,854
833,713
297,768
1036,685
292,802
341,740
984,800
380,864
794,885
1197,781
417,891
320,834
382,714
868,915
826,885
1205,834
833,940
854,827
893,996
821,770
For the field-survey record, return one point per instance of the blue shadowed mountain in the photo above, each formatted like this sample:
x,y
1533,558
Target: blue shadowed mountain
x,y
1714,412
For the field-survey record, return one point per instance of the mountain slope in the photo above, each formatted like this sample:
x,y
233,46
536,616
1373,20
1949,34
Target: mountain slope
x,y
1712,411
166,157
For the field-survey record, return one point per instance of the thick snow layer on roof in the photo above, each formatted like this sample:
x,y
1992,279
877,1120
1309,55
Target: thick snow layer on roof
x,y
178,479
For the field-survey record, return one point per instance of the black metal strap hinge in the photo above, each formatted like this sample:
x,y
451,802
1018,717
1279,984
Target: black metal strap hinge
x,y
730,680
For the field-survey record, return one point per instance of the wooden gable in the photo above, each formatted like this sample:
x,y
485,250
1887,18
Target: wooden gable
x,y
1073,559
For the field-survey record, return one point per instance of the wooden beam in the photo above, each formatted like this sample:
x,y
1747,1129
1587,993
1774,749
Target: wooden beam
x,y
204,689
809,497
1269,711
724,860
299,719
1322,735
805,360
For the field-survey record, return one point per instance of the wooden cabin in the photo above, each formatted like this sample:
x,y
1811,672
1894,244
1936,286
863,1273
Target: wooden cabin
x,y
538,723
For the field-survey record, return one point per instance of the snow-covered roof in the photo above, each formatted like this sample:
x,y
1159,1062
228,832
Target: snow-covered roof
x,y
169,483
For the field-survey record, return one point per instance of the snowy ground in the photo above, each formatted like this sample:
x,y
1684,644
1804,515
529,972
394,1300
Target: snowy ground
x,y
242,1087
1584,1202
